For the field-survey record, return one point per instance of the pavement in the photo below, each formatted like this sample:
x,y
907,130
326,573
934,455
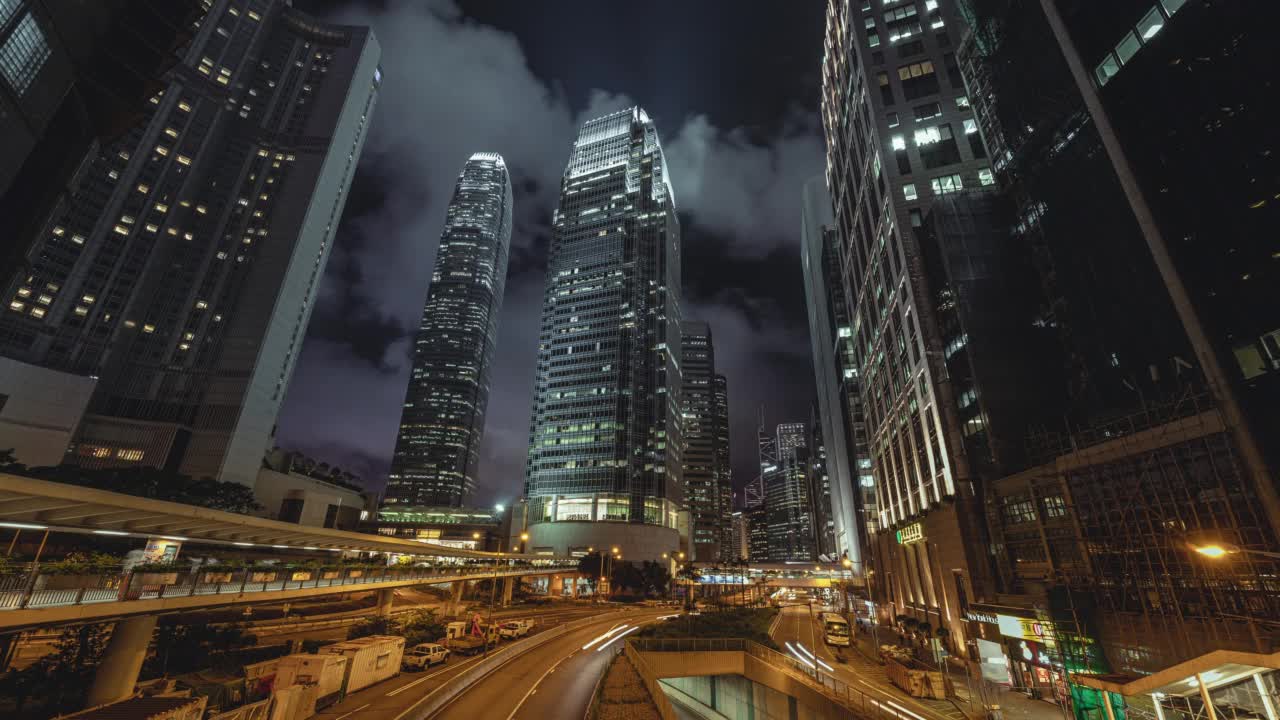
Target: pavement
x,y
858,665
554,680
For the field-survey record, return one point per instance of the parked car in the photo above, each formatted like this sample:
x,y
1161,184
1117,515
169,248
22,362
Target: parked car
x,y
511,630
424,655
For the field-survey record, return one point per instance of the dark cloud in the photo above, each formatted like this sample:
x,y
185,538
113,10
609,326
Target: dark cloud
x,y
453,86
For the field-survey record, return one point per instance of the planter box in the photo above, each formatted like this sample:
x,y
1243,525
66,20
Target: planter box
x,y
216,577
262,576
156,578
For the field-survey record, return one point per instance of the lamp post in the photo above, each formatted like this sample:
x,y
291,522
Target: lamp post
x,y
493,589
1216,551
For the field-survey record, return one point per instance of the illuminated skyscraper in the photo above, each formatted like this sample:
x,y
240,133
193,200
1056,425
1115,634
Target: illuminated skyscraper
x,y
184,262
604,465
789,496
438,447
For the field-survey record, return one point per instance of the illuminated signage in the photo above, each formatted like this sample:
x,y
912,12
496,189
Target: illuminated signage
x,y
1025,629
981,617
911,533
1037,654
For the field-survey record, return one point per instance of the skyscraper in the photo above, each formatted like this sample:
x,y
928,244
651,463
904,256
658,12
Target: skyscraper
x,y
438,446
702,462
724,467
604,465
1161,286
848,462
183,267
789,497
900,134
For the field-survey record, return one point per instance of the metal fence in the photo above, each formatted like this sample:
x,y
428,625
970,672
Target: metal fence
x,y
34,589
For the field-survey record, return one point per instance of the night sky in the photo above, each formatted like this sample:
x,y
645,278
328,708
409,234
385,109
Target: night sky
x,y
733,87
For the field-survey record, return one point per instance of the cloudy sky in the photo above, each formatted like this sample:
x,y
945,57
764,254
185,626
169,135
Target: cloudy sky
x,y
734,91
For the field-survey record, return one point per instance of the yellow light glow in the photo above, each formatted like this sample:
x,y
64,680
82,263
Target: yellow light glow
x,y
1213,551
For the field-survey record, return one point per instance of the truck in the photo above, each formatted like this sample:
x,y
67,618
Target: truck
x,y
511,630
370,659
327,672
424,655
460,638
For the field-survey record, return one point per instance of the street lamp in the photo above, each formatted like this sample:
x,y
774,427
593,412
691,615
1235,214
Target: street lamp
x,y
1216,551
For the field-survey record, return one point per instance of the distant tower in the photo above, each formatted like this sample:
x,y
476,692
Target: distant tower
x,y
604,465
438,446
701,430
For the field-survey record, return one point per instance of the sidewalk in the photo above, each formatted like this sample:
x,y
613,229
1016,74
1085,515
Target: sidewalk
x,y
1013,705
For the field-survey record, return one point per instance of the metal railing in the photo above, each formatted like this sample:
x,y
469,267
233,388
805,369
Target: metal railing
x,y
36,589
857,701
660,699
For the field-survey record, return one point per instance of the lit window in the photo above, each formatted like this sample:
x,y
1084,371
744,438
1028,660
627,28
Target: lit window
x,y
152,227
928,136
970,127
201,304
148,328
893,119
171,132
909,191
162,150
254,16
986,177
1172,6
1106,69
962,102
202,209
184,106
184,160
89,299
121,230
37,312
946,184
45,299
899,142
1150,24
17,305
1128,47
24,292
81,310
144,188
23,53
161,207
58,232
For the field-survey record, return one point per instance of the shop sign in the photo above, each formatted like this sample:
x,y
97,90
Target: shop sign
x,y
981,617
1036,654
911,533
161,550
1025,629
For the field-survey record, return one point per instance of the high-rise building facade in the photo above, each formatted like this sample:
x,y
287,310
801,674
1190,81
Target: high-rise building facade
x,y
183,267
789,501
604,464
724,467
824,524
900,133
700,408
847,462
441,426
1166,434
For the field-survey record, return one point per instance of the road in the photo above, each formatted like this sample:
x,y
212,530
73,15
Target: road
x,y
799,626
543,671
555,680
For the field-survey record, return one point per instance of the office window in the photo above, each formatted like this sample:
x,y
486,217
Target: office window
x,y
886,90
927,111
23,54
909,191
7,9
1106,69
1150,24
898,142
946,184
1128,47
893,119
918,79
1172,6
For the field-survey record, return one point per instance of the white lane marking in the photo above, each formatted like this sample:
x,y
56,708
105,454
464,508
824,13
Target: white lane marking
x,y
353,711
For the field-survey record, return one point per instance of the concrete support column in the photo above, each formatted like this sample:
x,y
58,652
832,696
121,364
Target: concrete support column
x,y
556,588
385,597
508,588
575,587
454,604
118,671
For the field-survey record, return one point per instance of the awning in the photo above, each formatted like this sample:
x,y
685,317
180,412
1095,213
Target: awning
x,y
1220,667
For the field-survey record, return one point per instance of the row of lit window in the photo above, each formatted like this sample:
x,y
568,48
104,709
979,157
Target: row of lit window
x,y
1134,39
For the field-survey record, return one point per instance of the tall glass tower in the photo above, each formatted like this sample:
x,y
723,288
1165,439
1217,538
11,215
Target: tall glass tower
x,y
438,447
604,467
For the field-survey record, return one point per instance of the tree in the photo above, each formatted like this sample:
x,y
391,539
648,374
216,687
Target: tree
x,y
690,575
656,578
187,648
624,574
62,677
420,627
376,625
591,566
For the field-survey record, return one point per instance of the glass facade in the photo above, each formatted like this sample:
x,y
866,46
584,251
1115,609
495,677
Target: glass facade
x,y
605,436
703,460
788,497
441,426
183,265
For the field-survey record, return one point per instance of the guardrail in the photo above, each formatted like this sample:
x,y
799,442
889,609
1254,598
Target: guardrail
x,y
463,682
807,672
35,589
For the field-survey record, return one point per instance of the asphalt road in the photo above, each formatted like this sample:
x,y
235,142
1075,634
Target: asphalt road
x,y
555,680
503,692
799,626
